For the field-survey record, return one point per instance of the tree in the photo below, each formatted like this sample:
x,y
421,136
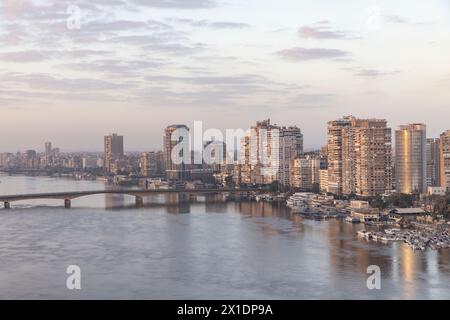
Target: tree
x,y
401,200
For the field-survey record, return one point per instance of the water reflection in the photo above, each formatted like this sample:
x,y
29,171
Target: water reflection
x,y
204,248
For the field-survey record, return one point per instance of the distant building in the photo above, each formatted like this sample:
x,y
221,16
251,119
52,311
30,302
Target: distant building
x,y
48,153
89,162
30,159
114,151
444,160
149,164
176,169
214,154
75,162
411,161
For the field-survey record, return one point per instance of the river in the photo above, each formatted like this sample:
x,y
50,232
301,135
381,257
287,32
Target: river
x,y
202,250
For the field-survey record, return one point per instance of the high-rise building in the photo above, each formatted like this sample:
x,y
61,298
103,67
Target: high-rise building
x,y
242,171
48,153
432,154
148,164
410,158
176,169
359,156
444,162
335,153
305,173
48,149
267,151
113,150
214,155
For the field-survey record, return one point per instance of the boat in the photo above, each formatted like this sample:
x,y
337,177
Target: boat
x,y
352,220
299,202
392,231
362,233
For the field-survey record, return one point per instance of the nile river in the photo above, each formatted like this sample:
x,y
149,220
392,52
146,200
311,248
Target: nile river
x,y
202,250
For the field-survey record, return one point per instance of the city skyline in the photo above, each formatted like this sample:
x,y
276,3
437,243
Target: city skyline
x,y
42,144
131,60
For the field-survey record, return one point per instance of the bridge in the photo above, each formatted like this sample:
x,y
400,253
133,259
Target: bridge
x,y
138,194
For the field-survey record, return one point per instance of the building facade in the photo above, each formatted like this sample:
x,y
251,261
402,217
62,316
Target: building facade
x,y
113,150
335,154
432,155
267,151
305,173
359,156
176,169
444,162
410,158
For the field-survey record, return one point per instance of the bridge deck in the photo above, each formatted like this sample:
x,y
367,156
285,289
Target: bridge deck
x,y
131,192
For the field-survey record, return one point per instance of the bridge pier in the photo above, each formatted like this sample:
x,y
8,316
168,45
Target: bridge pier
x,y
139,201
67,203
7,205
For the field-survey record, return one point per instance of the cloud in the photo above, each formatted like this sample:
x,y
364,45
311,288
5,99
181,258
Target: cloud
x,y
179,4
221,91
372,73
212,80
321,30
229,25
210,24
396,19
62,84
23,56
304,54
125,25
113,66
392,18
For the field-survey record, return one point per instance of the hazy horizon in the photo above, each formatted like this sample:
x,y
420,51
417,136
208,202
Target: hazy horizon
x,y
134,67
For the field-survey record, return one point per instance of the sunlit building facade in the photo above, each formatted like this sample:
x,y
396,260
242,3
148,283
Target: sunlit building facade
x,y
176,169
359,156
432,154
410,158
444,152
113,150
267,151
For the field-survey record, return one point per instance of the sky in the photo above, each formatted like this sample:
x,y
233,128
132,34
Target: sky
x,y
73,71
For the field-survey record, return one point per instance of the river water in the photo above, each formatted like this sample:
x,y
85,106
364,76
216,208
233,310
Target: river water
x,y
202,250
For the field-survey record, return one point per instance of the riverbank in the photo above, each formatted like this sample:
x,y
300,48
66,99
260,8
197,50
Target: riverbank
x,y
434,238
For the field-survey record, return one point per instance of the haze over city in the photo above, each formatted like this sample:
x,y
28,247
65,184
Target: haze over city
x,y
135,67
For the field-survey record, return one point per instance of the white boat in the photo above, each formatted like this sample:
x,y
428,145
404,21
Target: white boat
x,y
299,199
352,220
362,233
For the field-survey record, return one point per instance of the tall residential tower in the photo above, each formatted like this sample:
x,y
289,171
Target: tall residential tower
x,y
113,150
444,152
176,169
359,156
410,158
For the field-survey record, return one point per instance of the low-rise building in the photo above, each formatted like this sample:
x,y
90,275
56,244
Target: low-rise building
x,y
358,204
366,214
408,214
438,191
